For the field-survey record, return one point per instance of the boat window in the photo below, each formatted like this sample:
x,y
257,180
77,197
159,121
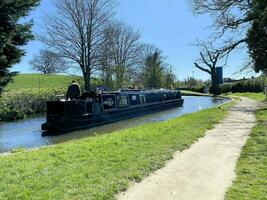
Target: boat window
x,y
169,96
134,99
164,96
122,101
142,99
177,95
152,97
173,95
109,101
160,97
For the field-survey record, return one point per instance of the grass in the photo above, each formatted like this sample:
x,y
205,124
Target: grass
x,y
102,166
251,181
254,96
33,81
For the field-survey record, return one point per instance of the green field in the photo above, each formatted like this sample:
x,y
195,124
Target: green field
x,y
100,167
251,181
35,81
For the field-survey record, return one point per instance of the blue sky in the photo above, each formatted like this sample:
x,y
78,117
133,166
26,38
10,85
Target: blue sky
x,y
168,24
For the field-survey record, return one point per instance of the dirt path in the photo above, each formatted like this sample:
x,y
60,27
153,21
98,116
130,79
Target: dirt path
x,y
206,170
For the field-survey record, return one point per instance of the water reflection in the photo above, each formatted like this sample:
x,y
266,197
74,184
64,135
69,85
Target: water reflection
x,y
27,133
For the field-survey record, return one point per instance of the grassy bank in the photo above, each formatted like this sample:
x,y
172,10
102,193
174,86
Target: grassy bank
x,y
100,167
36,81
254,96
251,181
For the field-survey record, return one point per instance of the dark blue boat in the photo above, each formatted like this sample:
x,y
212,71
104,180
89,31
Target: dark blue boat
x,y
94,109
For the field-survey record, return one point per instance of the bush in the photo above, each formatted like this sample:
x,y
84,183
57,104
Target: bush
x,y
253,85
215,90
19,104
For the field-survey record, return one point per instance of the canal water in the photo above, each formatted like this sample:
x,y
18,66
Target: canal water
x,y
27,133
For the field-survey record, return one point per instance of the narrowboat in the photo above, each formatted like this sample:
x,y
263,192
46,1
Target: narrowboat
x,y
98,108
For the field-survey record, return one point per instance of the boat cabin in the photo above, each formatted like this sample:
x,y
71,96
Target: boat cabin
x,y
93,109
109,101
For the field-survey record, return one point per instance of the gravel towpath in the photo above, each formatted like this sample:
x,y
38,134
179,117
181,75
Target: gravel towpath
x,y
207,168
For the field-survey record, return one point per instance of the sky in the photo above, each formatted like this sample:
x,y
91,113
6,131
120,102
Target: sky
x,y
168,24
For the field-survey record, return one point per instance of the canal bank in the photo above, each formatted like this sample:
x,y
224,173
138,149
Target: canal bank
x,y
101,166
27,133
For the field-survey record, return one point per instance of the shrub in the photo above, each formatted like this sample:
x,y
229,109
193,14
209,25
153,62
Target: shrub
x,y
225,88
252,85
25,102
215,90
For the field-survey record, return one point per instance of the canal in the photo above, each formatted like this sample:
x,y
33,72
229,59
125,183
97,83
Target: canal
x,y
27,133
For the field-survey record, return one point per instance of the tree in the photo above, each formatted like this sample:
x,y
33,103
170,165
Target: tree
x,y
209,59
191,82
48,62
13,34
257,36
76,32
146,50
227,15
168,77
153,70
123,46
239,17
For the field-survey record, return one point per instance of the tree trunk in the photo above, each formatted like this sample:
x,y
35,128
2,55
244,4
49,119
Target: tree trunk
x,y
87,81
215,89
120,81
119,77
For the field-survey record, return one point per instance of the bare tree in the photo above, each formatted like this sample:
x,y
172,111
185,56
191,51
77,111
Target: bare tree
x,y
227,15
76,32
231,19
48,62
210,58
106,66
123,47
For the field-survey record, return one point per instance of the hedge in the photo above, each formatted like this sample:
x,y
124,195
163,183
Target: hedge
x,y
253,85
25,102
199,89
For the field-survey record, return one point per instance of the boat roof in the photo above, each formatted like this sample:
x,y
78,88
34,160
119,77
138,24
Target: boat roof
x,y
138,91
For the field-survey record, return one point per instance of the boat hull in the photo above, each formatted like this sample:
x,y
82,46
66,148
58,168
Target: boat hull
x,y
63,124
